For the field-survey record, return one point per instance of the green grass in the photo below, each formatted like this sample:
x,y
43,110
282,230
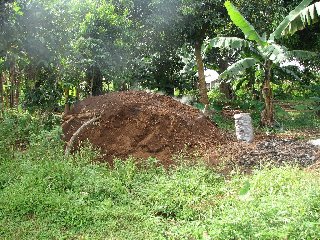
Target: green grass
x,y
44,195
298,120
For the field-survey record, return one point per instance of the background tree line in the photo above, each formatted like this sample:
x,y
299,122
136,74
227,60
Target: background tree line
x,y
53,53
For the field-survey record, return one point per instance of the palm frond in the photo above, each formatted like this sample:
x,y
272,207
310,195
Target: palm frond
x,y
243,24
238,67
228,42
297,19
302,55
274,52
291,73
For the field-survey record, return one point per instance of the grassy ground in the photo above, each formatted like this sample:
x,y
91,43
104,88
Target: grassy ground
x,y
289,115
44,195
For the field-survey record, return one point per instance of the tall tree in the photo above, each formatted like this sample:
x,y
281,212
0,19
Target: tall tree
x,y
168,26
200,20
10,49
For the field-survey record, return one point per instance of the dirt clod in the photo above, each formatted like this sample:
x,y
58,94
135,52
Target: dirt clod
x,y
141,125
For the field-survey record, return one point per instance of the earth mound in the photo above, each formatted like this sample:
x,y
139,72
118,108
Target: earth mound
x,y
141,125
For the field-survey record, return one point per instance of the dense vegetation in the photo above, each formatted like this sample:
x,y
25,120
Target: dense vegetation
x,y
55,53
44,195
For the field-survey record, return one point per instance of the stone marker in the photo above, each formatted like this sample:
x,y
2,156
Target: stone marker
x,y
315,142
244,129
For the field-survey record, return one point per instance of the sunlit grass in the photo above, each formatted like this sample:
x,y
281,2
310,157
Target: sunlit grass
x,y
44,195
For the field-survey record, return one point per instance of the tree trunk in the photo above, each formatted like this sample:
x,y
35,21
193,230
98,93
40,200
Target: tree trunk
x,y
2,79
267,115
12,81
169,87
95,80
91,83
77,93
226,90
17,90
6,93
67,105
201,78
251,82
225,87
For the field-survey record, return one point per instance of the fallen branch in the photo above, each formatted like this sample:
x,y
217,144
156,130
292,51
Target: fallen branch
x,y
75,135
81,115
66,122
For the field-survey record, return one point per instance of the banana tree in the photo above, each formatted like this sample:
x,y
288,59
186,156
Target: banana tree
x,y
266,52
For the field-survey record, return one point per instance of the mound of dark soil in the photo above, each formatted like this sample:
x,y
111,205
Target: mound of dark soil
x,y
271,150
280,152
141,125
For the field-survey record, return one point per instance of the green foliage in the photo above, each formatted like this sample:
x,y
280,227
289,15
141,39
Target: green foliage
x,y
52,197
44,195
217,98
262,49
248,30
132,44
301,115
297,19
263,52
20,129
238,67
45,95
303,89
223,122
16,129
229,42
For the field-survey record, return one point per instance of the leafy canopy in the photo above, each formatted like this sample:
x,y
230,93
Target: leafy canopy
x,y
261,49
297,19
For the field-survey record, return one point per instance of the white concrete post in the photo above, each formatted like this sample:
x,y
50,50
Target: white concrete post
x,y
244,129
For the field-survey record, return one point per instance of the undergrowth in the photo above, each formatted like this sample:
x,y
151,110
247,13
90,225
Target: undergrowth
x,y
44,195
295,120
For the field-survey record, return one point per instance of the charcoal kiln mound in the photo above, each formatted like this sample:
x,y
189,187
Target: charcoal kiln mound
x,y
141,125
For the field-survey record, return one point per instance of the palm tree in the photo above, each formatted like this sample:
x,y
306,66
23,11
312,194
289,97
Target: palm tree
x,y
266,52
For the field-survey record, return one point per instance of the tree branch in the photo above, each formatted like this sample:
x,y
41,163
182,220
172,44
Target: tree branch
x,y
75,135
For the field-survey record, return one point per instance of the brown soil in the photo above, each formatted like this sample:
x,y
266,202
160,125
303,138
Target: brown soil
x,y
142,125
